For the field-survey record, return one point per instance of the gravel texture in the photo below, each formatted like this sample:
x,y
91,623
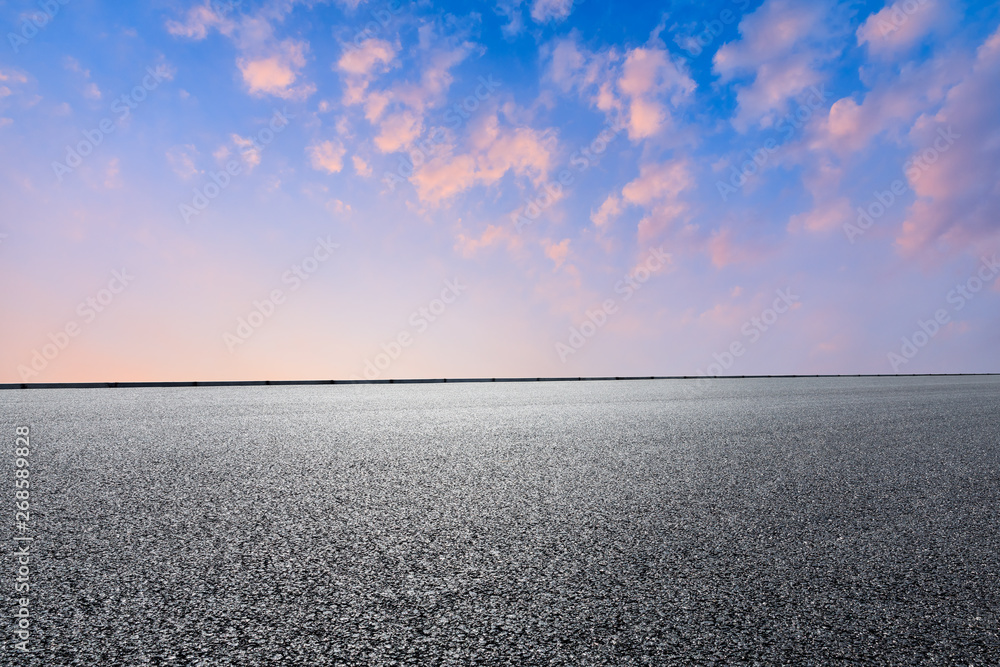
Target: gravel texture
x,y
832,521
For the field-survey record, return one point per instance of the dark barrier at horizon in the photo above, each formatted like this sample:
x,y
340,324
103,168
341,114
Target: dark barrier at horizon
x,y
255,383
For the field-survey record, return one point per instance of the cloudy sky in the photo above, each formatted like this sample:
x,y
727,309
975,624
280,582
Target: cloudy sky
x,y
299,190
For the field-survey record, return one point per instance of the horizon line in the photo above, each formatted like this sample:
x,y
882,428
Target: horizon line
x,y
254,383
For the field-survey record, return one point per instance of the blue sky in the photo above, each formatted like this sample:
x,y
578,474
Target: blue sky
x,y
545,155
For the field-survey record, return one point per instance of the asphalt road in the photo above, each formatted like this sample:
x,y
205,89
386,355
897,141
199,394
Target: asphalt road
x,y
750,522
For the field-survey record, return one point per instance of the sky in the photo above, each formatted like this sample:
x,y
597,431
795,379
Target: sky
x,y
290,190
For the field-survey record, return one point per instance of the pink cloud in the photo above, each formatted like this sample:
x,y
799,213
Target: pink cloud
x,y
845,118
112,175
776,83
548,10
901,25
648,71
327,156
662,217
725,250
783,46
609,209
276,73
360,67
249,150
468,246
442,178
725,316
13,76
372,55
267,67
658,181
828,216
645,118
398,130
657,189
337,207
639,86
770,32
182,160
567,65
830,209
953,173
435,78
889,107
647,76
494,150
399,110
557,252
361,168
525,151
198,21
